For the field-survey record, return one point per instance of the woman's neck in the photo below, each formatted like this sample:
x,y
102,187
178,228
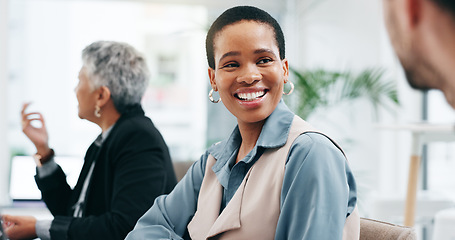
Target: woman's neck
x,y
108,122
250,133
109,116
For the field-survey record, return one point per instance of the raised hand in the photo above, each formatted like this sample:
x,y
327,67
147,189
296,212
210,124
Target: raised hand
x,y
38,135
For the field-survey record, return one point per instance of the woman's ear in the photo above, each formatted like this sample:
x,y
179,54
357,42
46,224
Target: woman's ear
x,y
285,65
212,78
103,95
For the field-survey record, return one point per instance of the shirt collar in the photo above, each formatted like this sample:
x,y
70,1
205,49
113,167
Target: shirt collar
x,y
130,111
100,139
274,134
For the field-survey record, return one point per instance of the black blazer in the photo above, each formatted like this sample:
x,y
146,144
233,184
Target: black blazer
x,y
132,168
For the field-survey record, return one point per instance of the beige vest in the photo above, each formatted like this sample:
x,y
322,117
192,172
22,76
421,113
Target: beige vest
x,y
254,209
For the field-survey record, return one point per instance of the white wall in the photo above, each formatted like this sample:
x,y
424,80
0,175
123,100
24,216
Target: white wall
x,y
4,152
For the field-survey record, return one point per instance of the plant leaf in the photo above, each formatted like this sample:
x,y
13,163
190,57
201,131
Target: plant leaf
x,y
321,88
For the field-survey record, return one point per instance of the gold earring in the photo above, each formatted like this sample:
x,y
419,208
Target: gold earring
x,y
211,97
97,111
290,91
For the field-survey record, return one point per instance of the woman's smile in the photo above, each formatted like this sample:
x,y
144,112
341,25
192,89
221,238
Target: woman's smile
x,y
249,95
249,73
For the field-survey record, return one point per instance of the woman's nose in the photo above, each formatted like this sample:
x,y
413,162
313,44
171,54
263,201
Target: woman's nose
x,y
249,74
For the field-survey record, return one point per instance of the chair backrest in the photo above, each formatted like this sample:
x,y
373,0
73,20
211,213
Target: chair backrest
x,y
181,167
371,229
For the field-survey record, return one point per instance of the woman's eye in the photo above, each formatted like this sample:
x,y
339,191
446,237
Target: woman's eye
x,y
264,60
230,65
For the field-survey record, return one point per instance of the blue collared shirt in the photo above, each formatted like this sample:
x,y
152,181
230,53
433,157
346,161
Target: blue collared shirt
x,y
318,191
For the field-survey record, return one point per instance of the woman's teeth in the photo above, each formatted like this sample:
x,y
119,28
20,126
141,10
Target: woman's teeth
x,y
250,96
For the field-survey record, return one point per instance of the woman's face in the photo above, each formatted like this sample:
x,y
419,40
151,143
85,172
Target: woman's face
x,y
86,96
249,73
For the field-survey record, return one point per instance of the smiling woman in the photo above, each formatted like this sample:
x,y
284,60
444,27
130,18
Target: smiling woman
x,y
249,76
275,177
248,72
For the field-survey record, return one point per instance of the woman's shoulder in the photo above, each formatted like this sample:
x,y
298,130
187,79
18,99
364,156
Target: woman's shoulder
x,y
315,144
136,124
138,127
314,138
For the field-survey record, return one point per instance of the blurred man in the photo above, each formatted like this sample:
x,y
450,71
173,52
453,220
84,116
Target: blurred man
x,y
422,32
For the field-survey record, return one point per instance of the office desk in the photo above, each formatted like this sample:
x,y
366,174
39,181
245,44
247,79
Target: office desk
x,y
421,133
28,208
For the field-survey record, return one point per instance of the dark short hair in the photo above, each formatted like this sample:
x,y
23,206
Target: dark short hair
x,y
237,14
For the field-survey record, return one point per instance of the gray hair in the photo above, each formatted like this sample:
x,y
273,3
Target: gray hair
x,y
119,67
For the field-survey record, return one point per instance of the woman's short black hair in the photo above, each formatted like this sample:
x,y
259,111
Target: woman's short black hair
x,y
237,14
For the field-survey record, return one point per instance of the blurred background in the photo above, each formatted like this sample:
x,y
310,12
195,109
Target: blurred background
x,y
40,56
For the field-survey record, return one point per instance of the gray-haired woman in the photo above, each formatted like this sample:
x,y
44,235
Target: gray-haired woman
x,y
125,168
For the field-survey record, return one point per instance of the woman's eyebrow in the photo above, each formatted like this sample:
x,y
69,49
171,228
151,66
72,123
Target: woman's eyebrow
x,y
236,53
264,50
228,54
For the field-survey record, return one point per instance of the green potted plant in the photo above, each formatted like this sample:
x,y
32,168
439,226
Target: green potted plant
x,y
321,88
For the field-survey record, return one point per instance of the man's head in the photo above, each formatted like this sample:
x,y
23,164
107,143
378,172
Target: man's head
x,y
422,32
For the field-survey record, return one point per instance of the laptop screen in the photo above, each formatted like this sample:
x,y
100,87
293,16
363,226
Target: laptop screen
x,y
23,170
